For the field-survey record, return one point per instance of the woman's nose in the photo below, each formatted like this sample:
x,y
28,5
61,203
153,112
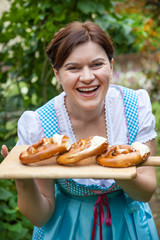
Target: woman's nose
x,y
87,74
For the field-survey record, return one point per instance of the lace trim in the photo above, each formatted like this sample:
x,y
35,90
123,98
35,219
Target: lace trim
x,y
146,139
70,125
107,120
68,120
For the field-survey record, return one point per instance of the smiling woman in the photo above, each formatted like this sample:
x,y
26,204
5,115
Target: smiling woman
x,y
81,55
82,63
85,78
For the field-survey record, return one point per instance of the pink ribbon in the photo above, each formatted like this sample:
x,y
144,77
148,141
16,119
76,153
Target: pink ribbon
x,y
101,200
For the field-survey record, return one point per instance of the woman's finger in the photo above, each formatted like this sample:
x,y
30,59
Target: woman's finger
x,y
4,151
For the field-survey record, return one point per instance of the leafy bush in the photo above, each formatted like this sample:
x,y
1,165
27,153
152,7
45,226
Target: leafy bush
x,y
26,75
13,225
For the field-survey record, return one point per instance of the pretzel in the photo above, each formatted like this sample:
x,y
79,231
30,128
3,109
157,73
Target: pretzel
x,y
124,155
84,151
45,149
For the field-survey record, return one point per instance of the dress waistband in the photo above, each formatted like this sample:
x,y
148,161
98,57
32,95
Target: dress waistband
x,y
92,198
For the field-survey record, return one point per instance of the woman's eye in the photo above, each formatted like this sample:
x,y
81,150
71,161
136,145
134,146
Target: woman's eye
x,y
96,65
72,68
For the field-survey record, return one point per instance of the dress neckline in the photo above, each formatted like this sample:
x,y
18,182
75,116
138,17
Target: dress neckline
x,y
107,120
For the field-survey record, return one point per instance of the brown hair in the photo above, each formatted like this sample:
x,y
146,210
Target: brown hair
x,y
74,34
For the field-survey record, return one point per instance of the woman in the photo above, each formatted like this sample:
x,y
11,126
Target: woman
x,y
82,59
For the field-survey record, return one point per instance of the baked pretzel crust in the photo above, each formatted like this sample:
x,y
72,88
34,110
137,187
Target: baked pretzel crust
x,y
44,149
120,156
82,153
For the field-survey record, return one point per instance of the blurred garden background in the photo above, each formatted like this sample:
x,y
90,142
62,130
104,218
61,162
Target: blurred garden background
x,y
27,80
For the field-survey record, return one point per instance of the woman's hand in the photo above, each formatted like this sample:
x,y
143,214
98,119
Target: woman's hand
x,y
143,186
4,151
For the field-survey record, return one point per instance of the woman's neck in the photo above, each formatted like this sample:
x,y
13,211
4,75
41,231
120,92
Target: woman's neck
x,y
83,115
87,123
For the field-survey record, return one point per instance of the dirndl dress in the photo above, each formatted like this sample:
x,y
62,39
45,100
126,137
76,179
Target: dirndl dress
x,y
91,212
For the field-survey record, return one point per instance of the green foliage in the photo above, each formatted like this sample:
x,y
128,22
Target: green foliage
x,y
26,77
156,112
120,29
12,224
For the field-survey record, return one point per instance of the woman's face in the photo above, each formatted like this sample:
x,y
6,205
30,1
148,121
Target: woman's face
x,y
85,76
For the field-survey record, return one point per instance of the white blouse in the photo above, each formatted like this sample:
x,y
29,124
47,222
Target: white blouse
x,y
30,128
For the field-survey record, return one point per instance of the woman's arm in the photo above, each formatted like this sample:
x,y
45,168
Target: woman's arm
x,y
36,199
143,186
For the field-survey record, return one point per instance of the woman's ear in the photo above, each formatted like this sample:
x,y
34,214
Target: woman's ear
x,y
111,66
56,73
112,62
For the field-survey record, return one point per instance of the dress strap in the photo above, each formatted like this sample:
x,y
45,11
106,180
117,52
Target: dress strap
x,y
48,118
130,100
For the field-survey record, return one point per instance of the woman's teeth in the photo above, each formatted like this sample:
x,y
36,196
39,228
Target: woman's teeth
x,y
87,89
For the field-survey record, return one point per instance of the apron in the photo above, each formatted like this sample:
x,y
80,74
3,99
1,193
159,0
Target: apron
x,y
95,212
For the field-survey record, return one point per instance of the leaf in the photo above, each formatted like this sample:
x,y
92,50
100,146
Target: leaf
x,y
17,227
86,6
100,8
9,211
127,29
2,206
5,194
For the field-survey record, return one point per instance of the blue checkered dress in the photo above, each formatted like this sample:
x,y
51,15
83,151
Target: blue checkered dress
x,y
71,191
50,126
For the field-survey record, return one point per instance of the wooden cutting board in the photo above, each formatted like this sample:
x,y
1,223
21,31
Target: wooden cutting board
x,y
11,168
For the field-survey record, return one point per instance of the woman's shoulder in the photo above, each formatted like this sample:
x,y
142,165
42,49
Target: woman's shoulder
x,y
27,117
29,128
118,92
143,97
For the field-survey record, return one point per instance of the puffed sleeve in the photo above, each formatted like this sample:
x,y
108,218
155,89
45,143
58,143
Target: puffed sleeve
x,y
29,128
146,118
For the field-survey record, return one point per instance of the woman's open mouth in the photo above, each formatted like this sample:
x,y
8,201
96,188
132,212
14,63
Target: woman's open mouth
x,y
88,90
